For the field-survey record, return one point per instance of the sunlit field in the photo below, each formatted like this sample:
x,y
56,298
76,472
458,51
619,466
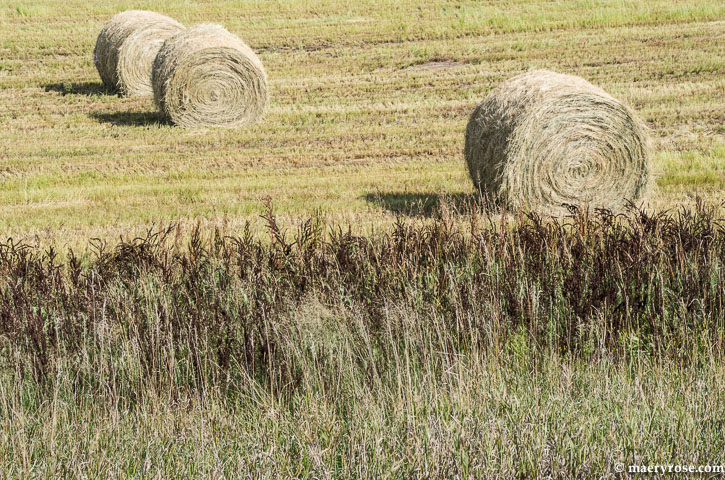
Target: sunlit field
x,y
369,107
324,295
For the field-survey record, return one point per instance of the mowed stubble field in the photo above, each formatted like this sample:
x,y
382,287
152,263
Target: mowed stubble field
x,y
369,107
443,347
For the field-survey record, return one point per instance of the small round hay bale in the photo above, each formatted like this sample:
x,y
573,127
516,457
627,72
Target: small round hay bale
x,y
207,77
543,139
126,49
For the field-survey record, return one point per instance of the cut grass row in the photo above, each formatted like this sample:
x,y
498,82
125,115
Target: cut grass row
x,y
366,195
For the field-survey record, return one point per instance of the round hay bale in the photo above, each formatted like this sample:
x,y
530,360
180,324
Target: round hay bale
x,y
207,77
543,139
126,49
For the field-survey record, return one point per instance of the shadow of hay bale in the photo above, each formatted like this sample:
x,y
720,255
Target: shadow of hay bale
x,y
131,119
89,89
427,204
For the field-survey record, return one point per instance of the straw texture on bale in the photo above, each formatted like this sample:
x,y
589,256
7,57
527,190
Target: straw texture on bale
x,y
543,139
207,77
126,49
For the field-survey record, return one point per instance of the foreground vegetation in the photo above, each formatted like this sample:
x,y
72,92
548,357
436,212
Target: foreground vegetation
x,y
493,349
368,98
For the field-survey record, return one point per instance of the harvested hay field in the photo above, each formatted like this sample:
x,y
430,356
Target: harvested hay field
x,y
543,140
351,130
127,46
207,77
321,294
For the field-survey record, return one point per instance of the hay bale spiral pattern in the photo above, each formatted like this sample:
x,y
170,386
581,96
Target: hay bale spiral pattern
x,y
544,139
126,49
207,77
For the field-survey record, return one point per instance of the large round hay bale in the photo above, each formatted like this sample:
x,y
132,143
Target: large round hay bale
x,y
542,139
126,49
207,77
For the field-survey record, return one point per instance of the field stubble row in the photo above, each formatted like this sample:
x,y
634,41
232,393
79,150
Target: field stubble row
x,y
341,101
